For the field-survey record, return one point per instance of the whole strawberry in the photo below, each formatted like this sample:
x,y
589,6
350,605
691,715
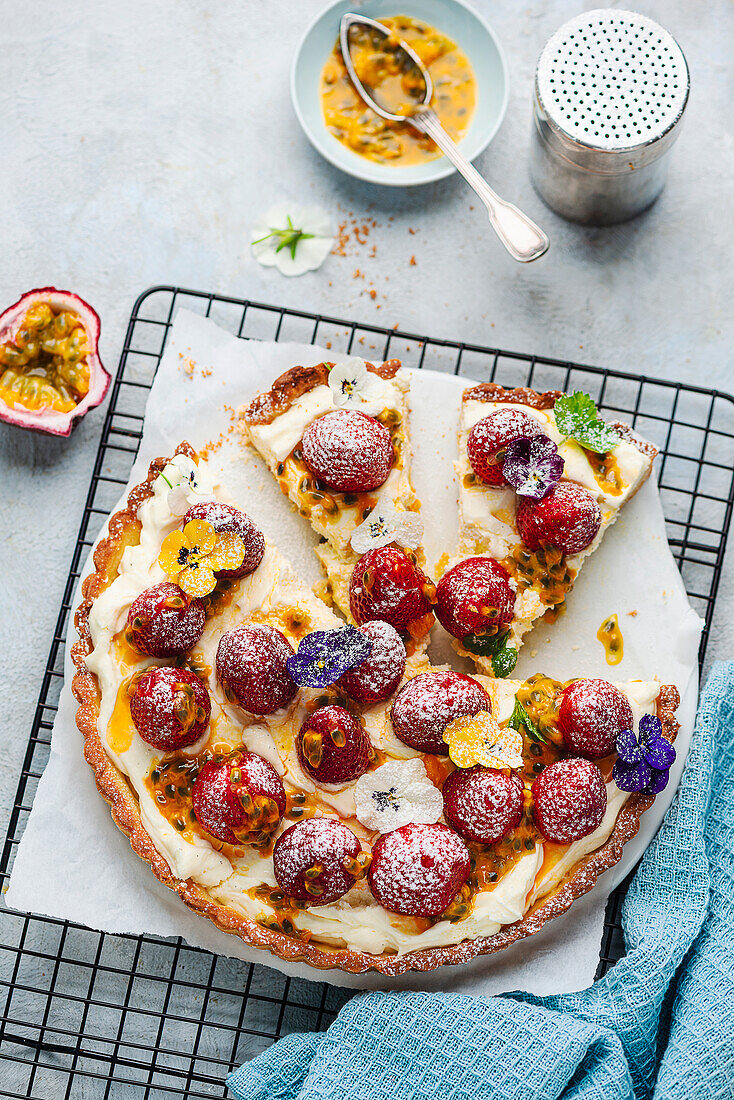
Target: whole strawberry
x,y
591,716
475,597
489,437
418,869
386,584
170,708
239,799
379,675
315,860
570,800
348,451
251,667
482,804
164,621
332,746
567,518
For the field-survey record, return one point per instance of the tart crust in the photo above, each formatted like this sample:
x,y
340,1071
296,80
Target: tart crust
x,y
113,785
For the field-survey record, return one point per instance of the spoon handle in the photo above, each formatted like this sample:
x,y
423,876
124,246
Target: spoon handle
x,y
522,238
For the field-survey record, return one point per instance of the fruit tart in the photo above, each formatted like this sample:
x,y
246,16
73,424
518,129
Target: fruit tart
x,y
336,439
540,480
309,786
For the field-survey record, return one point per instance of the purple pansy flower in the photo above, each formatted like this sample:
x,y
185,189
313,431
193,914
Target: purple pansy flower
x,y
644,759
532,466
325,655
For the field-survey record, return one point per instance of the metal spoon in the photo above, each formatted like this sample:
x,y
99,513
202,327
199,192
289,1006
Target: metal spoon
x,y
522,238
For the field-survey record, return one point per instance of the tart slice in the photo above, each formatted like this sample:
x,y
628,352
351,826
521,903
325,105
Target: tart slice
x,y
537,492
336,440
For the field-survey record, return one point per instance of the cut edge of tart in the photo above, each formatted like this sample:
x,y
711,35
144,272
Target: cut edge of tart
x,y
274,423
123,534
541,579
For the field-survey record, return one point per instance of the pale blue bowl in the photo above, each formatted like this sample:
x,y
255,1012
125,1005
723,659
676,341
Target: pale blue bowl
x,y
453,18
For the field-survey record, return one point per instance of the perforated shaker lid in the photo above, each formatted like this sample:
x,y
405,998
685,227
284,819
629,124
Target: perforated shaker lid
x,y
611,82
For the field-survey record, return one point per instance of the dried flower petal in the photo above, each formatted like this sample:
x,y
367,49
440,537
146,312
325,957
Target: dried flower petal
x,y
479,739
325,655
532,466
395,794
229,552
385,525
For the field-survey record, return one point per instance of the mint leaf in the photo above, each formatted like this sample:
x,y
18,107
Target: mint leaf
x,y
577,418
504,661
520,717
494,646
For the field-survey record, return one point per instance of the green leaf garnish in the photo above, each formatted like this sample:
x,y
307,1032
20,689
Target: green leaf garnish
x,y
520,717
577,418
287,238
494,646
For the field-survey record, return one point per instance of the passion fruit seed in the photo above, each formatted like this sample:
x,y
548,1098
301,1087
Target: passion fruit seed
x,y
45,364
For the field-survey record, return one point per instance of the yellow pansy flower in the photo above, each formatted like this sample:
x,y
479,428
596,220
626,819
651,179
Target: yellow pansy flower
x,y
480,739
191,557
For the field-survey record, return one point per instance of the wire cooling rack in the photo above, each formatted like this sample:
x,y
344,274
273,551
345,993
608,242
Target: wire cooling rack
x,y
86,1015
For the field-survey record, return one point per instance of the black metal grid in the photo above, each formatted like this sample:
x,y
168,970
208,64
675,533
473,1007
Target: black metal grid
x,y
87,1014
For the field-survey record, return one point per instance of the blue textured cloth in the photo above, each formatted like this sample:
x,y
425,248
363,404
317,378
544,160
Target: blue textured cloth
x,y
660,1024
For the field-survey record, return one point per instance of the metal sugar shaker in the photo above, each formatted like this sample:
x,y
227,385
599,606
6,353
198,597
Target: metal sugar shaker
x,y
610,91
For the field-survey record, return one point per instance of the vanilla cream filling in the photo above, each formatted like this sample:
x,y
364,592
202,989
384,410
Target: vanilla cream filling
x,y
355,921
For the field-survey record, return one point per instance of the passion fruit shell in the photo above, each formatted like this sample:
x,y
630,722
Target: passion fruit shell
x,y
45,418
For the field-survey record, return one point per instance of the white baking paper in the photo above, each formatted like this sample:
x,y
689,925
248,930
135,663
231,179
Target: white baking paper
x,y
74,863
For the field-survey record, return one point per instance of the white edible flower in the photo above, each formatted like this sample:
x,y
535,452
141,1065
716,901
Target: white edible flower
x,y
355,387
186,484
395,794
384,525
295,239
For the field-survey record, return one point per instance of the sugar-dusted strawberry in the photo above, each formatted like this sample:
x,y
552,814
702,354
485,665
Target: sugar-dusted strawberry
x,y
224,517
239,800
475,597
488,438
379,675
164,621
332,746
591,716
426,705
567,518
251,667
316,860
570,800
482,804
387,585
418,869
348,451
170,707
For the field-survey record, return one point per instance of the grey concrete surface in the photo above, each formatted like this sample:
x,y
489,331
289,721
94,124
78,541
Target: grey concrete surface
x,y
141,140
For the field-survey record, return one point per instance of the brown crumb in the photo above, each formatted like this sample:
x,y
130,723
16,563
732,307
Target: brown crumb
x,y
373,294
411,231
412,261
328,344
632,614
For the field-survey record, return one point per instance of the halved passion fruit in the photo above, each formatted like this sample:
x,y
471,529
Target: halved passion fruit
x,y
50,372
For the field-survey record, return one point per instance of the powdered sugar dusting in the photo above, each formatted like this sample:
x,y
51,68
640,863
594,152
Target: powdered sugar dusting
x,y
568,518
483,804
426,705
348,451
570,800
251,663
154,704
419,869
322,841
592,715
215,795
166,631
379,675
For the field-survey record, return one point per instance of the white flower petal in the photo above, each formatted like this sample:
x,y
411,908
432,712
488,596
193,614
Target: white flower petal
x,y
385,524
356,387
310,252
395,794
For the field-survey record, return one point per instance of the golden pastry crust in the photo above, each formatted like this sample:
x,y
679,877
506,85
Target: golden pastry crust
x,y
291,385
123,530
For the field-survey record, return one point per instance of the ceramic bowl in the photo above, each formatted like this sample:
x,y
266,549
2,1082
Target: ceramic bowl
x,y
453,18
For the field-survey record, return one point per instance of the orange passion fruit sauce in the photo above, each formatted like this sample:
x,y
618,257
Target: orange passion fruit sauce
x,y
45,366
379,68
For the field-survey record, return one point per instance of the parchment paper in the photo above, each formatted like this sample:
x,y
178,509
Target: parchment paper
x,y
74,863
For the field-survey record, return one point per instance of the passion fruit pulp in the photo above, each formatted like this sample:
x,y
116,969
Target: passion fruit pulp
x,y
50,372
